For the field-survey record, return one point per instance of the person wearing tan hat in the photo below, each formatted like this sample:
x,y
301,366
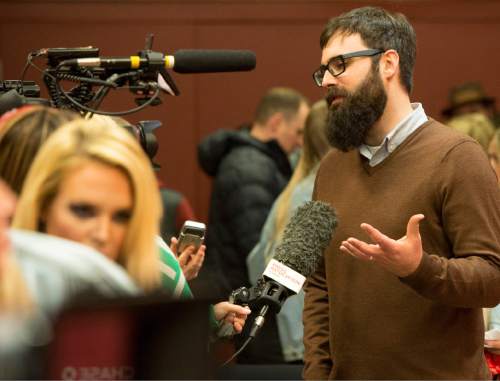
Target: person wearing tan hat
x,y
476,125
470,97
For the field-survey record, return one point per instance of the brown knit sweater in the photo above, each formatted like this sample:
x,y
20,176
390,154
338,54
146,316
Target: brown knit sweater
x,y
362,322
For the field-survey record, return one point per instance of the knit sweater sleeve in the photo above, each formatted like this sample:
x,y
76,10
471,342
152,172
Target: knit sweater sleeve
x,y
317,351
317,325
467,189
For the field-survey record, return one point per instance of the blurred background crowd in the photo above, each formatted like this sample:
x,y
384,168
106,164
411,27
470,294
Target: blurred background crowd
x,y
236,151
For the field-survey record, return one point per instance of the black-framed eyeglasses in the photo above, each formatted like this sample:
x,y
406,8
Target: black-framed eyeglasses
x,y
336,65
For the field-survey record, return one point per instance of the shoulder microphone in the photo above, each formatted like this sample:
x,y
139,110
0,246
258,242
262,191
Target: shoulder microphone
x,y
297,256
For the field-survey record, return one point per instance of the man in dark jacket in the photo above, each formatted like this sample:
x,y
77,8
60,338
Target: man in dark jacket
x,y
250,169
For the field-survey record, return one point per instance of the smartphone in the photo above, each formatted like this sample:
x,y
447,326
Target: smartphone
x,y
192,233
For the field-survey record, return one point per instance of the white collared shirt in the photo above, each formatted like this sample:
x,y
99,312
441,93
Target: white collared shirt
x,y
377,154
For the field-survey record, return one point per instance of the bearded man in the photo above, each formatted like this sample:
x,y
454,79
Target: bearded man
x,y
407,303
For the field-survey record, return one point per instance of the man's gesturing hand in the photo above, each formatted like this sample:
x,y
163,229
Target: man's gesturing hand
x,y
400,257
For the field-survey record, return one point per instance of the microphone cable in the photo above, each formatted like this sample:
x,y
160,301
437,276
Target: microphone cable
x,y
257,325
108,83
249,338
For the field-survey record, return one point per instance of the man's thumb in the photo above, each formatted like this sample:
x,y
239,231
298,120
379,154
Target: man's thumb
x,y
412,229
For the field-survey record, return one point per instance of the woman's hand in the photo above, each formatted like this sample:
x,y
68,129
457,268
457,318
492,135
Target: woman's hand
x,y
189,261
492,346
232,314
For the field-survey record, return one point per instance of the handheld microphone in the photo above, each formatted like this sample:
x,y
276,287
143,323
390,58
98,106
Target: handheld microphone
x,y
182,61
297,256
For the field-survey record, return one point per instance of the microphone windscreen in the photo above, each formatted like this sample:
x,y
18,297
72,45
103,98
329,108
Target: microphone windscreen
x,y
306,236
213,61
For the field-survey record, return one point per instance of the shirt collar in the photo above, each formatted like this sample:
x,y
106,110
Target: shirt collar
x,y
376,154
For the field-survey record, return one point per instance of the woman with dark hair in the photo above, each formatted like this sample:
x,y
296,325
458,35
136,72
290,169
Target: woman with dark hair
x,y
22,132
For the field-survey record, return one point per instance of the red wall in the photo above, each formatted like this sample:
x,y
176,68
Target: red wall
x,y
457,41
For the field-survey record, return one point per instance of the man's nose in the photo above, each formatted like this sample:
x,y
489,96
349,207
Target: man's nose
x,y
329,80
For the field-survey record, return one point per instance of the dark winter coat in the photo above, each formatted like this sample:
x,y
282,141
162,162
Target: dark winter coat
x,y
248,176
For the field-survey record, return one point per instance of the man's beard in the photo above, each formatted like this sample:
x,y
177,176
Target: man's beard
x,y
350,119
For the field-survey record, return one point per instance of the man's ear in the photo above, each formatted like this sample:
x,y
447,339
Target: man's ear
x,y
389,64
274,122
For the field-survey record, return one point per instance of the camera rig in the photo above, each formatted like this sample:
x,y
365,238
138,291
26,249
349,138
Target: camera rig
x,y
92,79
92,84
144,74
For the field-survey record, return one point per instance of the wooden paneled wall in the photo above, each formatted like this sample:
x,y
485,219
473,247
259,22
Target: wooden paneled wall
x,y
457,41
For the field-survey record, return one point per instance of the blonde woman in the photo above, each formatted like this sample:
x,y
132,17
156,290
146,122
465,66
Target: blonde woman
x,y
477,125
92,183
299,190
22,133
14,296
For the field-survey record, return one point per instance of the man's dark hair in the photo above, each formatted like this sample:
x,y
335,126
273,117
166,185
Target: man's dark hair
x,y
279,99
378,29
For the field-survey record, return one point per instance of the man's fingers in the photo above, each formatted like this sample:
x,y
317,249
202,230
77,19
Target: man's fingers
x,y
413,227
379,238
349,249
360,249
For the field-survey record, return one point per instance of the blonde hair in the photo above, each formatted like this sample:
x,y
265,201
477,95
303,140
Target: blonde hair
x,y
477,125
314,148
22,135
496,138
73,145
14,294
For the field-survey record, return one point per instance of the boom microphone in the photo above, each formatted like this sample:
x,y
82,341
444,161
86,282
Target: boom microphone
x,y
211,61
182,61
305,238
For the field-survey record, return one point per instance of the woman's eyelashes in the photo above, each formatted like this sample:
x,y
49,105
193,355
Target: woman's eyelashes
x,y
83,210
122,216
